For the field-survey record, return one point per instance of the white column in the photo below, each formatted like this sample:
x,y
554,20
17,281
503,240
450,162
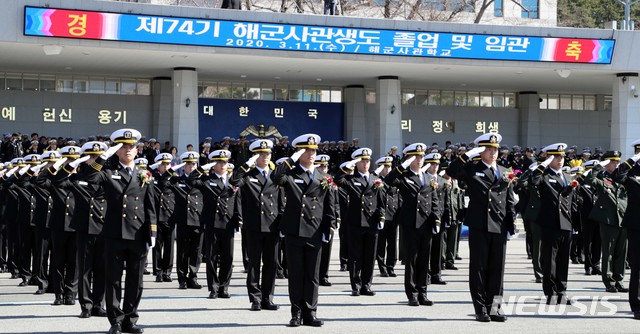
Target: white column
x,y
387,131
162,94
625,113
529,108
184,127
354,114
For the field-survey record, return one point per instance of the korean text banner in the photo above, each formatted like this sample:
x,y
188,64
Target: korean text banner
x,y
275,36
257,118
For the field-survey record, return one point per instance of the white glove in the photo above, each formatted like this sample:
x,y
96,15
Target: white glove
x,y
425,167
326,237
604,162
352,164
533,166
381,225
252,160
111,151
38,167
24,169
59,163
178,166
408,162
281,234
378,170
154,166
474,152
297,155
587,172
442,173
207,166
11,171
75,163
636,157
153,242
546,163
436,229
2,172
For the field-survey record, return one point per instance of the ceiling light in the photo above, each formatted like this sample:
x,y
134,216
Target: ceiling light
x,y
563,73
52,50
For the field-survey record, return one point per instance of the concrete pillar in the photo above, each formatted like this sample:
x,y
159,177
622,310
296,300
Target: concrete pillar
x,y
354,114
162,94
387,131
184,126
529,119
625,113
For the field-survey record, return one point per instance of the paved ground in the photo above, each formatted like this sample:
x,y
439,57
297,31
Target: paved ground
x,y
165,309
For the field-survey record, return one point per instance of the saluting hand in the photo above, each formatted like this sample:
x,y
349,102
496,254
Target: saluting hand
x,y
59,163
155,166
604,162
425,167
77,162
408,162
546,163
252,160
297,155
378,170
474,152
207,166
636,157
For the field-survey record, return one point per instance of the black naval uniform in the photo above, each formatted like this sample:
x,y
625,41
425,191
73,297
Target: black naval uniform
x,y
162,256
490,215
26,238
437,240
129,225
366,213
419,215
590,229
387,250
308,214
260,210
41,216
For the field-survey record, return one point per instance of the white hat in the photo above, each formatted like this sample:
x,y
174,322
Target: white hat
x,y
636,144
361,153
93,147
590,164
322,159
343,166
415,149
555,149
141,162
189,156
308,140
488,140
17,162
432,158
50,156
261,145
32,159
126,136
384,161
70,152
163,157
577,170
566,169
220,155
281,160
230,166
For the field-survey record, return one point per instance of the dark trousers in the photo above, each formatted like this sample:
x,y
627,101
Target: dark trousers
x,y
577,247
634,259
487,252
41,257
435,260
13,244
528,237
325,258
417,244
3,245
243,244
162,254
261,247
387,252
614,254
189,252
27,251
555,249
117,253
592,243
536,256
451,243
282,259
64,273
91,269
362,255
344,245
303,258
219,250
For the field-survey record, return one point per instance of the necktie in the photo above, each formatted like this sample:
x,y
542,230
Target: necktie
x,y
310,175
421,179
564,182
129,171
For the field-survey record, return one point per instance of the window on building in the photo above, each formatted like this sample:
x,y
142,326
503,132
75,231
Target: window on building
x,y
14,81
30,82
324,95
510,100
565,102
267,93
112,86
238,91
63,85
498,9
531,9
224,90
96,85
589,102
81,85
473,99
253,92
553,101
143,87
47,83
608,102
422,97
295,93
128,87
460,99
336,95
281,93
408,96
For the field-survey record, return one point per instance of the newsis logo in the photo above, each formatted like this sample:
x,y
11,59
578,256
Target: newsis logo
x,y
537,305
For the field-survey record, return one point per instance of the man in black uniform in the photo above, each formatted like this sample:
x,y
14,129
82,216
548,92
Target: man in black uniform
x,y
387,249
260,207
308,215
129,228
490,216
556,195
162,256
419,215
590,228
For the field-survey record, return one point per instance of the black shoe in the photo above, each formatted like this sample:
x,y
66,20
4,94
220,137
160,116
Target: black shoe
x,y
312,321
588,271
295,321
636,315
98,312
182,286
367,292
115,329
550,300
413,302
39,292
596,271
224,294
438,281
193,284
69,301
147,272
255,306
529,257
280,276
267,305
498,318
423,300
580,260
392,273
213,295
384,273
132,329
458,257
483,317
85,314
562,298
14,276
574,261
23,283
166,278
450,266
539,280
343,267
159,279
325,282
57,301
611,289
621,287
355,293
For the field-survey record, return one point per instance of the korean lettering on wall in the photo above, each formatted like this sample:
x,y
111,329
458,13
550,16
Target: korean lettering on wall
x,y
8,113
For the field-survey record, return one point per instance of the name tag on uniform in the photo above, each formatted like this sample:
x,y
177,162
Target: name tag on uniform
x,y
480,174
357,183
213,184
116,177
83,183
410,182
182,185
587,186
298,180
155,182
552,181
253,180
637,177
